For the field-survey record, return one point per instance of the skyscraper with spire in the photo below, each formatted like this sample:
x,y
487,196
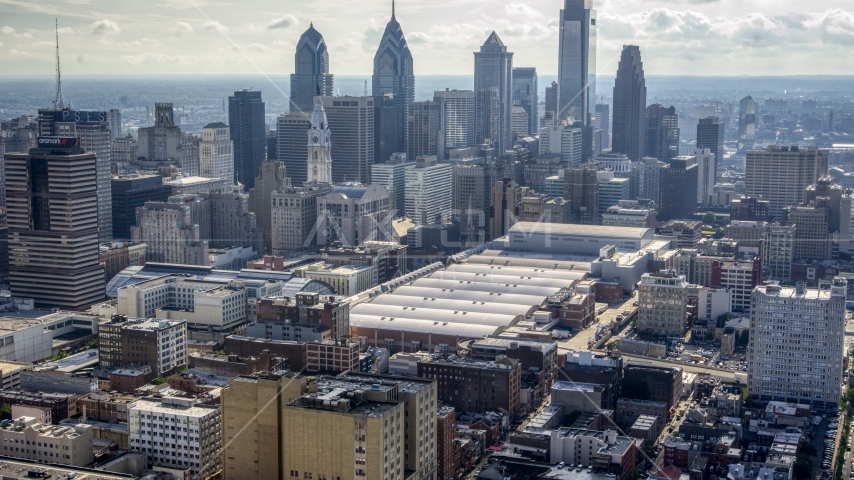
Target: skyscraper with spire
x,y
394,80
493,88
630,106
311,76
577,67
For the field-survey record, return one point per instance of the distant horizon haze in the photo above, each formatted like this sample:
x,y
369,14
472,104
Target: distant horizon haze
x,y
676,37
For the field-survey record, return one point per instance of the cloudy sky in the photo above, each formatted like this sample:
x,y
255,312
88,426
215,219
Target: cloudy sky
x,y
689,37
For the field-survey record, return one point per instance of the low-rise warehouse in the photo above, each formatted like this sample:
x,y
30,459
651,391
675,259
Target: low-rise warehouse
x,y
464,301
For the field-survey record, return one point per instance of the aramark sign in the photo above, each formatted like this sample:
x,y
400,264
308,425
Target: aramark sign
x,y
63,142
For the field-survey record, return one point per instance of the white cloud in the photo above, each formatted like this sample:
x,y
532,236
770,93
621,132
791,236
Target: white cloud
x,y
285,21
18,53
105,26
7,30
182,28
215,25
166,59
185,4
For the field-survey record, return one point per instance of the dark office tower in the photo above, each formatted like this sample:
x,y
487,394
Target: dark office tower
x,y
525,92
602,121
311,76
386,128
678,189
394,79
93,130
351,121
549,116
131,191
52,201
577,67
272,145
493,86
581,187
662,132
710,134
747,118
248,132
629,105
291,145
424,123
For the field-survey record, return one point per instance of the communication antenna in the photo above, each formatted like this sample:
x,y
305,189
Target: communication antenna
x,y
57,102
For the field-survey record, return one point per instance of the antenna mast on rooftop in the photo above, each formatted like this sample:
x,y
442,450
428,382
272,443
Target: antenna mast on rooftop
x,y
57,102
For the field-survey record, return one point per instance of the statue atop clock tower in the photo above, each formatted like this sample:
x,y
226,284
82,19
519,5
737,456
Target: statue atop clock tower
x,y
319,146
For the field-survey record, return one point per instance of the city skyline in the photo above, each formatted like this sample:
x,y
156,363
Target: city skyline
x,y
721,37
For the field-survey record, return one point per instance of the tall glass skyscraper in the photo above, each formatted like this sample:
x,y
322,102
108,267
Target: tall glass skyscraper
x,y
248,132
662,132
629,105
311,76
394,79
577,66
710,134
525,92
493,87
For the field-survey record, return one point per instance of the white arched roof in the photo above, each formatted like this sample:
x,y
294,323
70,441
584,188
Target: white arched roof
x,y
466,330
435,303
450,316
518,271
469,295
485,287
542,281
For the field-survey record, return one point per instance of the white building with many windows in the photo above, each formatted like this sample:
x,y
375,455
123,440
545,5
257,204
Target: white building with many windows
x,y
216,152
177,432
797,344
429,191
218,305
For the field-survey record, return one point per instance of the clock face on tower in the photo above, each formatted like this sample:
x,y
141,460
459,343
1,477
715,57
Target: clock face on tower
x,y
315,139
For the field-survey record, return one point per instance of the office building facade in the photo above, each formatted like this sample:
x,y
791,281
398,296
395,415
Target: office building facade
x,y
216,153
393,79
563,140
272,177
429,191
311,77
629,136
424,125
291,147
456,120
493,86
577,67
351,121
130,192
53,240
778,252
526,95
710,134
678,189
248,134
93,130
782,174
662,132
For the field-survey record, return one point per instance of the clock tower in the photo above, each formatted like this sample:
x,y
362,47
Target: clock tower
x,y
319,147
